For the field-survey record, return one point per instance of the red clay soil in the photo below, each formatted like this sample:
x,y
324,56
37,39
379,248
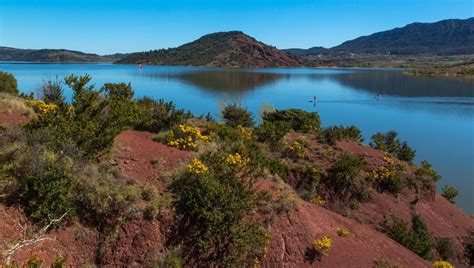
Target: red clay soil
x,y
11,116
140,158
292,235
137,244
77,242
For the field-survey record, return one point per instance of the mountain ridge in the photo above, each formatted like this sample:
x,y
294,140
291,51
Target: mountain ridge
x,y
445,37
50,55
221,49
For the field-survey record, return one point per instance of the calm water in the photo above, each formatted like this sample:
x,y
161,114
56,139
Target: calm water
x,y
435,116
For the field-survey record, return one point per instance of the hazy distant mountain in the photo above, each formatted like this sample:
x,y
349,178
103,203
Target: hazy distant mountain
x,y
447,37
223,49
50,55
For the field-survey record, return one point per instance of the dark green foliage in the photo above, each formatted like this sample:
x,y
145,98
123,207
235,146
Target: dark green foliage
x,y
388,142
392,183
308,178
37,178
215,211
444,248
52,92
469,250
8,83
333,134
156,116
59,261
450,193
93,119
234,115
45,192
272,132
345,178
416,239
297,119
425,168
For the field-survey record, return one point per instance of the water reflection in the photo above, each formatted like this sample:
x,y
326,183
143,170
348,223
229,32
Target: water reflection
x,y
396,83
219,81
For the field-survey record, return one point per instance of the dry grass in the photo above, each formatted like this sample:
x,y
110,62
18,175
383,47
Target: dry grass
x,y
9,103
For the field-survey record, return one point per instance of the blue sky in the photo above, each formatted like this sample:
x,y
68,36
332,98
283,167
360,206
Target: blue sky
x,y
110,26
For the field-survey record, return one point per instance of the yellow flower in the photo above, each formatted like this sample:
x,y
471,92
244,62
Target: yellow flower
x,y
297,149
41,107
197,167
318,200
343,231
236,160
245,133
388,160
323,245
443,264
186,137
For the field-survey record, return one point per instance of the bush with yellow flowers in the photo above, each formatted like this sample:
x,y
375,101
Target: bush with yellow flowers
x,y
296,149
387,178
216,208
40,106
186,137
443,264
343,231
318,200
323,245
197,167
236,160
244,132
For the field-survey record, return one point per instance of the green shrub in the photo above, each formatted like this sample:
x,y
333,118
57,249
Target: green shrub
x,y
59,261
333,134
416,239
345,176
308,177
94,118
215,209
450,193
425,168
44,185
272,132
103,198
392,183
52,92
444,248
234,116
297,119
156,116
388,142
8,83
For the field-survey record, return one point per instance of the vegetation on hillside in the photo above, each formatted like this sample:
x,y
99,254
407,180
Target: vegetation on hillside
x,y
56,168
223,49
50,55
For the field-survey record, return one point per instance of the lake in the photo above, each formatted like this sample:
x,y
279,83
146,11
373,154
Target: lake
x,y
435,116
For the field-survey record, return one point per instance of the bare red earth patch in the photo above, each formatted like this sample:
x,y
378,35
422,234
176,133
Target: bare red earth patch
x,y
141,158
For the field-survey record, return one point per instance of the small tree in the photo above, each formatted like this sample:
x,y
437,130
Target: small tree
x,y
237,115
8,83
298,119
52,92
388,142
450,193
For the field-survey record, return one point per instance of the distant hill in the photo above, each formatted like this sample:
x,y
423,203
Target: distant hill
x,y
50,55
222,49
306,52
446,37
